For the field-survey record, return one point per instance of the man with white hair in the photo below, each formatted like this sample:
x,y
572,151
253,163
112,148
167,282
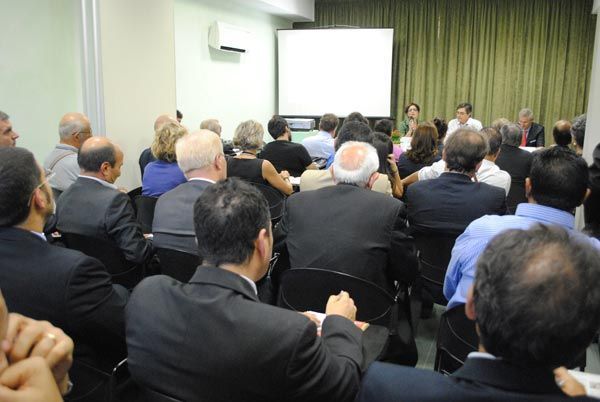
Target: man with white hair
x,y
200,157
532,133
73,130
214,126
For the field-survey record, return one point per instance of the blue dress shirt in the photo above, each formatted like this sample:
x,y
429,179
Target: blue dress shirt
x,y
470,244
319,145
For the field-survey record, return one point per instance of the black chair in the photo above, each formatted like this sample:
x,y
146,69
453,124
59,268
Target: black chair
x,y
275,199
150,395
145,211
456,338
134,193
178,264
90,384
123,272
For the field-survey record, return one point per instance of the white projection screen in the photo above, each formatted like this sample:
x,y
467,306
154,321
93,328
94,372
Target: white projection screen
x,y
335,71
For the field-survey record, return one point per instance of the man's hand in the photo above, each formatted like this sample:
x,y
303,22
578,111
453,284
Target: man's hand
x,y
341,304
26,337
29,380
567,383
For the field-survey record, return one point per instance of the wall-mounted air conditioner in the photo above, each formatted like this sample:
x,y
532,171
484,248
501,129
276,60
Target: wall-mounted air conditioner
x,y
228,38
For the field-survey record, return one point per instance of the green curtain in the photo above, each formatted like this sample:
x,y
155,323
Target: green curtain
x,y
499,55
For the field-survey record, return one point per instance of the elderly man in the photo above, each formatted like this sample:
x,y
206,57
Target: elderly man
x,y
535,311
93,206
463,119
532,134
556,185
200,156
321,144
228,346
8,137
52,283
214,126
73,129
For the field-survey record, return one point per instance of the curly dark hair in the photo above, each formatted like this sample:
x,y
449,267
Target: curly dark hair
x,y
423,146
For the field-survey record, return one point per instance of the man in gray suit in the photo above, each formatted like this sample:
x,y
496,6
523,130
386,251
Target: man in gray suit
x,y
200,157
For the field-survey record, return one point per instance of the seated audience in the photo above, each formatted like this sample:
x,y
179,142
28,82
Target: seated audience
x,y
73,129
592,203
8,137
578,133
463,119
200,156
409,125
352,117
320,146
556,185
146,156
442,129
532,133
283,153
386,126
163,174
387,163
214,126
534,311
53,283
516,161
561,132
216,330
422,152
249,138
93,206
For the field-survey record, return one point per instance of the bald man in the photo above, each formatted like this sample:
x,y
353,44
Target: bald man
x,y
8,137
73,130
93,206
146,156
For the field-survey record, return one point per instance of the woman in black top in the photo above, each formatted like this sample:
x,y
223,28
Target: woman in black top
x,y
423,150
387,163
442,129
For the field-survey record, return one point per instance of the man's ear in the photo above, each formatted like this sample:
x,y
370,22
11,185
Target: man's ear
x,y
470,305
372,180
262,244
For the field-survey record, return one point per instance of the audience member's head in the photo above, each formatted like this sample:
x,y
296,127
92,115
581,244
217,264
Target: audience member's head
x,y
200,154
494,139
100,158
578,132
233,226
8,137
212,125
163,147
500,122
278,127
511,135
162,119
532,298
74,129
558,178
248,135
353,131
463,112
592,203
384,147
385,126
423,145
412,110
356,116
441,127
356,163
561,132
24,189
464,150
329,122
179,116
525,118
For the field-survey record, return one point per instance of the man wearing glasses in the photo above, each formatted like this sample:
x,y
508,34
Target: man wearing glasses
x,y
463,119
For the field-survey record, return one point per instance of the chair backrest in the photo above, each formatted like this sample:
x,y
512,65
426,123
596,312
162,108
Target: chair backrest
x,y
151,395
275,199
122,271
456,338
145,211
303,289
434,255
516,195
178,264
134,193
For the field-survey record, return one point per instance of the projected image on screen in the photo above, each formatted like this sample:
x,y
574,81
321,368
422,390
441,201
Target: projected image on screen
x,y
335,71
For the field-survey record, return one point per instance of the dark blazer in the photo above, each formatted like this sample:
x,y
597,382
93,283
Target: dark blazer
x,y
448,204
90,208
145,158
536,136
173,224
478,380
67,288
212,340
517,162
349,229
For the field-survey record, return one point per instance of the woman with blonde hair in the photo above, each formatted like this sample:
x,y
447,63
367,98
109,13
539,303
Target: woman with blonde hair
x,y
163,174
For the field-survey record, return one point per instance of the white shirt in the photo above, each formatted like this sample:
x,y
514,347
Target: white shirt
x,y
103,182
455,125
319,145
251,282
488,173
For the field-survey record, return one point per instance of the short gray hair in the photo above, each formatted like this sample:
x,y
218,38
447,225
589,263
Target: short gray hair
x,y
197,150
3,116
355,169
526,113
511,135
70,127
249,135
212,125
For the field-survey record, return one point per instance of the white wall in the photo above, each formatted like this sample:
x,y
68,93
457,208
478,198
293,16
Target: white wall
x,y
40,69
230,87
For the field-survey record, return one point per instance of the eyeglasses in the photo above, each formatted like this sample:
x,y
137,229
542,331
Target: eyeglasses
x,y
49,175
272,263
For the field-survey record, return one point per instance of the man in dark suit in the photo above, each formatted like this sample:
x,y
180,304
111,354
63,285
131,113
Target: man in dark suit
x,y
532,134
200,156
211,339
517,162
93,206
529,320
65,287
446,205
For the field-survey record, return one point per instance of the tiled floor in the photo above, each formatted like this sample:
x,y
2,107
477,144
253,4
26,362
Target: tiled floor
x,y
427,332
